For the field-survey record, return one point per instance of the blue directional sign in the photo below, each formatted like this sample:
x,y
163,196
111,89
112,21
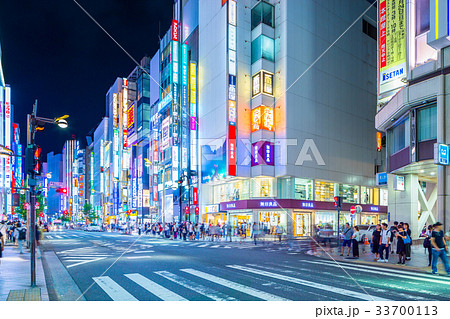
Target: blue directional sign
x,y
443,154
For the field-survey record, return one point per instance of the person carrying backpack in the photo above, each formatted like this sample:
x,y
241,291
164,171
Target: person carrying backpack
x,y
20,234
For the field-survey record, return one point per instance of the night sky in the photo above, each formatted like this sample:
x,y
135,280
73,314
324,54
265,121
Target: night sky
x,y
53,52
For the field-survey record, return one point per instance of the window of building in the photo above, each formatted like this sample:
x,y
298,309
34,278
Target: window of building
x,y
427,123
424,52
398,137
263,12
263,47
366,195
324,191
383,197
325,224
263,187
349,193
369,29
231,191
303,189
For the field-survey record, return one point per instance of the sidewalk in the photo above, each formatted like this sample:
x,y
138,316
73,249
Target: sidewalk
x,y
15,276
418,262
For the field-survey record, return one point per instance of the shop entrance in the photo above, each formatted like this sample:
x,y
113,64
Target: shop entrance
x,y
269,220
214,219
242,222
302,224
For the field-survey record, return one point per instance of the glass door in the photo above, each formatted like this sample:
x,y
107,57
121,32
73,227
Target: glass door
x,y
302,224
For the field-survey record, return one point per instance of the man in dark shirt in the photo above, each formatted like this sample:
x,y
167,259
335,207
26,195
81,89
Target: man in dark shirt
x,y
439,248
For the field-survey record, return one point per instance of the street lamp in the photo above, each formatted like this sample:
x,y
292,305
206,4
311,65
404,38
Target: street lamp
x,y
34,124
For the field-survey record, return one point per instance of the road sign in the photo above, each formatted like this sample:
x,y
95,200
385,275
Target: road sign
x,y
352,210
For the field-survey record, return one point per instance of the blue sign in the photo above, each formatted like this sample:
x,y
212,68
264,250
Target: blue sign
x,y
374,208
389,217
382,179
443,154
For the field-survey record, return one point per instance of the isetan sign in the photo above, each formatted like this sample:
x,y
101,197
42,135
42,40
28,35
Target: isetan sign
x,y
175,30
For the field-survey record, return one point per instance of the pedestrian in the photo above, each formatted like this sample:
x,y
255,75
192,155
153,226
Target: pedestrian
x,y
402,239
279,232
197,231
355,241
191,231
407,245
2,243
439,249
184,231
20,234
385,238
427,243
375,241
347,233
393,230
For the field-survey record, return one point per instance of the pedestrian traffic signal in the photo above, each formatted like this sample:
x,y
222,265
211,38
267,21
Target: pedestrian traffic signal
x,y
197,210
337,201
33,160
186,210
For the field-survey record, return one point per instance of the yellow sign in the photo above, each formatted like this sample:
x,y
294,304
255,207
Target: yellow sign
x,y
392,41
193,82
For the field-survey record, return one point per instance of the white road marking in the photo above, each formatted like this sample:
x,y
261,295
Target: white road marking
x,y
49,237
113,289
85,262
57,236
345,292
226,247
235,286
204,245
139,257
155,289
215,246
205,291
384,272
143,251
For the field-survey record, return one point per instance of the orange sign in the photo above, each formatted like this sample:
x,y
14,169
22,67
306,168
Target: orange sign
x,y
378,141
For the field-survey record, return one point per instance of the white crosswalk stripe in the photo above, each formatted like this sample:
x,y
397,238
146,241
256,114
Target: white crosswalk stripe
x,y
154,288
384,271
204,245
113,289
345,292
233,285
205,291
215,246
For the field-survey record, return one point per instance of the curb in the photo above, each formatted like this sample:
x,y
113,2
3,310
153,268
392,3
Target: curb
x,y
60,284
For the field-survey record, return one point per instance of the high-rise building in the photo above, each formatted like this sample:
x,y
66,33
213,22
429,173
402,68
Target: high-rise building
x,y
285,95
412,110
55,184
69,200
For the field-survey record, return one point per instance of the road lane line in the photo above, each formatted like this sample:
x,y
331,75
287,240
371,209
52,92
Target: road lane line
x,y
155,289
383,271
85,262
205,291
215,246
204,245
345,292
139,257
235,286
113,289
143,251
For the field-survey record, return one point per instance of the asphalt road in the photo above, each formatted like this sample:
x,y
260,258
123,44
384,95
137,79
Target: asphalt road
x,y
111,266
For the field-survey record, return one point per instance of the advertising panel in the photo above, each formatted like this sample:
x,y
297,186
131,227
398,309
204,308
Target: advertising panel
x,y
131,119
115,110
214,161
8,136
392,41
165,133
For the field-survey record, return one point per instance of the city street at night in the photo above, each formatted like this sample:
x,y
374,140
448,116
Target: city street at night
x,y
111,266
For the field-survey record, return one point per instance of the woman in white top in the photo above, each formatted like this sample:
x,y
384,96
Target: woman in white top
x,y
355,241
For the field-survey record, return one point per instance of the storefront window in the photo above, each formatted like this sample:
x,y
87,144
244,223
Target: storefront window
x,y
231,191
303,189
241,222
263,187
427,123
366,195
270,220
325,221
345,218
302,224
370,219
349,193
324,191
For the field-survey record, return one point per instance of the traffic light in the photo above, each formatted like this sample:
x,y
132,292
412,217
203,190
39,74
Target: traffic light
x,y
197,210
62,190
33,160
337,201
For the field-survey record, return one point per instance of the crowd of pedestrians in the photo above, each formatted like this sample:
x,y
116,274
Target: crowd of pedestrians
x,y
396,239
13,232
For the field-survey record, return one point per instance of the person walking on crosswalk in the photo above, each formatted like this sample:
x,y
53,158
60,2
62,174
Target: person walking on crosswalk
x,y
20,234
439,249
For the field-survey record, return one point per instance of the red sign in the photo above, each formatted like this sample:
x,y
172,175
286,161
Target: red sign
x,y
231,150
175,30
195,196
125,138
383,33
352,210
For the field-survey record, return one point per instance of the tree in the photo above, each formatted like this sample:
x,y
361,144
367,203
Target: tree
x,y
89,214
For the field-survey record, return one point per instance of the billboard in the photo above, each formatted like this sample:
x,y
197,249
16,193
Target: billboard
x,y
165,133
214,160
392,42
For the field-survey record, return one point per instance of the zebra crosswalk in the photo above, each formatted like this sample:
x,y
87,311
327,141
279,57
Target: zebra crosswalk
x,y
256,282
